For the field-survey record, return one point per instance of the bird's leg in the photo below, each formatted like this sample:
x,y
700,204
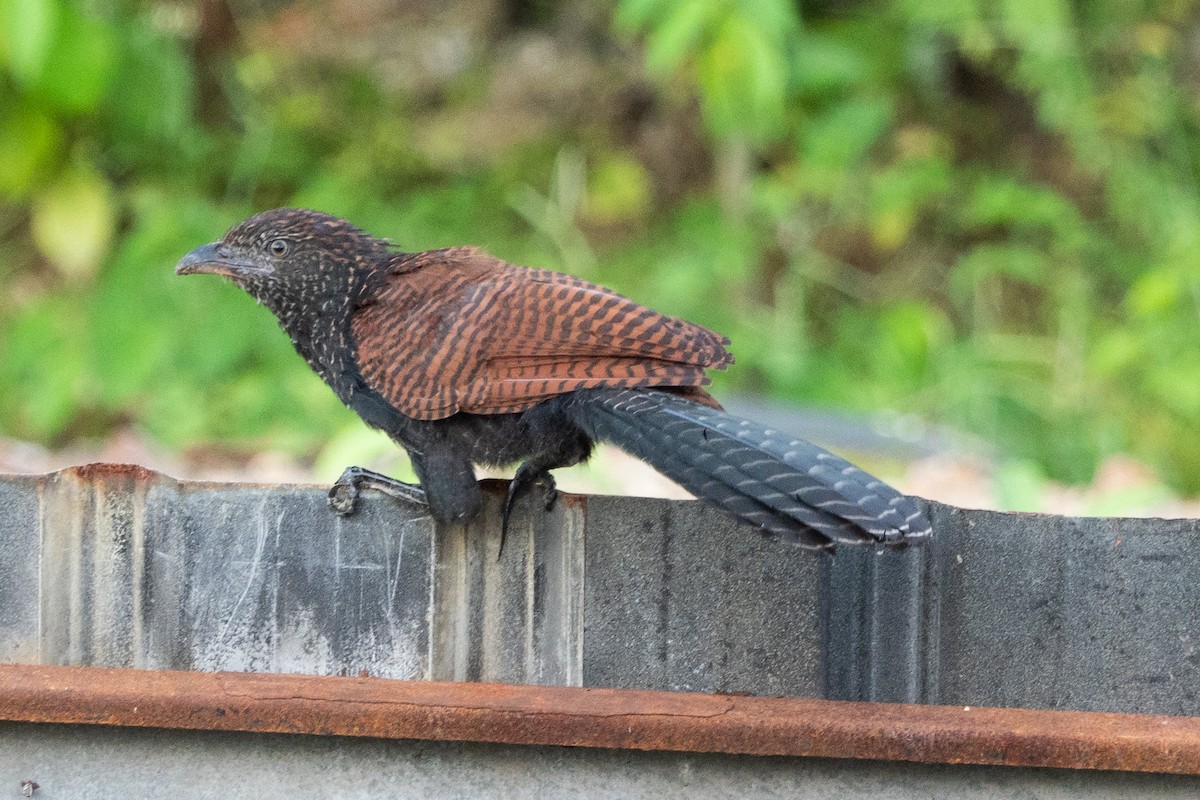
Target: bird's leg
x,y
532,473
343,495
536,472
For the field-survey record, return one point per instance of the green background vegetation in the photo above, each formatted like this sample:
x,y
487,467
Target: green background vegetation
x,y
985,214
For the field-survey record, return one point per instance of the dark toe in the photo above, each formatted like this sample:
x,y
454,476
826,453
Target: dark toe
x,y
343,498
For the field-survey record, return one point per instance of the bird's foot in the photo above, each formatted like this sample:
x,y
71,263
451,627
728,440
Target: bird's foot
x,y
527,477
343,495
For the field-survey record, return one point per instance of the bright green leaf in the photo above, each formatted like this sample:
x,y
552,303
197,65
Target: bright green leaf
x,y
675,37
775,17
826,64
743,77
1154,292
634,16
27,29
839,138
1115,351
152,89
42,394
80,64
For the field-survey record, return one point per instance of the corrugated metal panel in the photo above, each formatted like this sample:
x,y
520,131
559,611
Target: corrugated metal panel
x,y
678,598
120,567
1041,611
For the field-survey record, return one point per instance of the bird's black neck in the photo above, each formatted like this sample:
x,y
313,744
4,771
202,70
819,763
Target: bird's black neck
x,y
316,315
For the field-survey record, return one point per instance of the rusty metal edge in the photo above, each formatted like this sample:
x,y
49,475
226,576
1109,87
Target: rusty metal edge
x,y
605,718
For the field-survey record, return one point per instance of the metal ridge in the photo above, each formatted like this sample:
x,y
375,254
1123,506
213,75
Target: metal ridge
x,y
604,718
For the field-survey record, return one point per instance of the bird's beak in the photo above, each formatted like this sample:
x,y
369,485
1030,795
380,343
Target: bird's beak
x,y
207,259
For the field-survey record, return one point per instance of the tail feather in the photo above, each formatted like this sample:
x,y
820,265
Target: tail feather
x,y
827,482
687,466
787,487
761,464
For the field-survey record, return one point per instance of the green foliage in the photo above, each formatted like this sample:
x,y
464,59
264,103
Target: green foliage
x,y
740,54
986,214
1017,254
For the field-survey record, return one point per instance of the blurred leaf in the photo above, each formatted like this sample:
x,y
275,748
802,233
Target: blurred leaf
x,y
42,394
825,64
146,320
744,77
632,16
950,13
30,142
73,222
741,52
555,215
1113,352
988,261
890,228
27,29
911,334
1177,386
682,27
999,200
1154,292
1037,24
839,138
778,17
619,190
152,89
77,73
899,194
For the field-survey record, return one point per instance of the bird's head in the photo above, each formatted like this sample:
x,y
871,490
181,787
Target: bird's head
x,y
286,252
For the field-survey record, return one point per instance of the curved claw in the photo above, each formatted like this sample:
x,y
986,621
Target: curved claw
x,y
521,482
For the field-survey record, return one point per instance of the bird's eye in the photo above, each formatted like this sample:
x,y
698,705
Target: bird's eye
x,y
279,247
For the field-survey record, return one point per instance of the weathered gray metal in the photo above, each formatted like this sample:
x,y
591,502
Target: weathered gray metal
x,y
101,763
116,566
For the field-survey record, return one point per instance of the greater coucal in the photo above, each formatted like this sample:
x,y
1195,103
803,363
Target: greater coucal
x,y
465,359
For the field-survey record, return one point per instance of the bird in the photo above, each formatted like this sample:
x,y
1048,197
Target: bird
x,y
464,359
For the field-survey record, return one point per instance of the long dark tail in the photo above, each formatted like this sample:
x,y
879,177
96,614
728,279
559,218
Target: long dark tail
x,y
786,486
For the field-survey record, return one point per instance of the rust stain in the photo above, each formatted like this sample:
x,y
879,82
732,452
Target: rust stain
x,y
101,471
575,501
608,718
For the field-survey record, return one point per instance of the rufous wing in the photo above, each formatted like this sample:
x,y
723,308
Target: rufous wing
x,y
458,330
